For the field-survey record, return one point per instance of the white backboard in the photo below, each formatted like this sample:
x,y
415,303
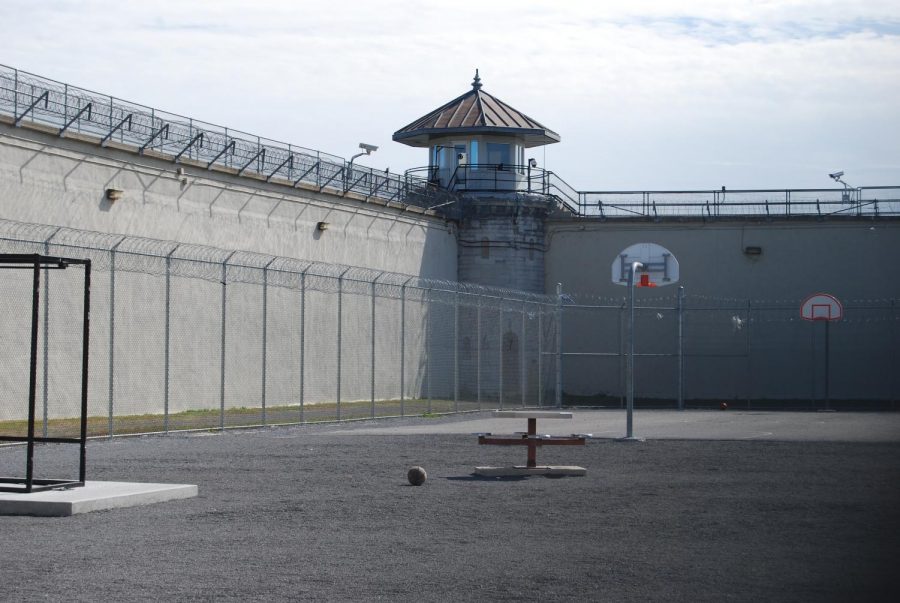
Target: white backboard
x,y
660,267
821,306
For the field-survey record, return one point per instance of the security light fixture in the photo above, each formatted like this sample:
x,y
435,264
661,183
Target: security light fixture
x,y
367,149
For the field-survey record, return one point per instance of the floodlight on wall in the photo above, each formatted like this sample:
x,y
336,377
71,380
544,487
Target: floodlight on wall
x,y
114,194
322,226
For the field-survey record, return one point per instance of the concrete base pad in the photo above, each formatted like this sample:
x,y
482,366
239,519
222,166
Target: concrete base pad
x,y
520,470
94,496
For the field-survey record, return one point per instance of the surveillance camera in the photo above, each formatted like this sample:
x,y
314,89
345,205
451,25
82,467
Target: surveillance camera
x,y
532,162
836,175
368,148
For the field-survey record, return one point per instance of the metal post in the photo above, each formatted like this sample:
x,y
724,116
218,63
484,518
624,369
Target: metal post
x,y
749,356
372,355
167,337
339,335
540,354
478,352
303,343
428,346
621,348
559,356
32,376
500,323
265,301
85,348
112,332
630,359
522,357
222,348
45,392
680,348
456,353
403,347
827,354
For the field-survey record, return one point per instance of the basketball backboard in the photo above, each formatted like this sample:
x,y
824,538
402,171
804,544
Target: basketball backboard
x,y
660,267
821,306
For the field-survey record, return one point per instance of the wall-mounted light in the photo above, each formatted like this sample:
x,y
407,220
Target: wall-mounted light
x,y
753,250
322,226
114,194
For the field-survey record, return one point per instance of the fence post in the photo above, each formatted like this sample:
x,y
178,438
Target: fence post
x,y
428,347
456,352
621,348
749,354
478,352
112,330
303,344
500,323
372,358
265,301
222,350
522,348
403,347
166,338
559,355
540,354
47,334
680,348
340,312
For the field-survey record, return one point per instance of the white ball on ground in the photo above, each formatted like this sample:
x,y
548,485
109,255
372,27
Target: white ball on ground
x,y
416,476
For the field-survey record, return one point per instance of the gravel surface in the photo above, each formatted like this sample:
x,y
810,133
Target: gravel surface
x,y
301,513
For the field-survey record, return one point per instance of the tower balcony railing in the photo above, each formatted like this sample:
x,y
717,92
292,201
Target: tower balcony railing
x,y
28,99
487,178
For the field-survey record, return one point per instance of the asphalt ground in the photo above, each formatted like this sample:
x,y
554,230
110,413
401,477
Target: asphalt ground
x,y
712,506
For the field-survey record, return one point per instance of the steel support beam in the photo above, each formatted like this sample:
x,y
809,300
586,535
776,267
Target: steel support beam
x,y
230,145
44,97
87,107
127,120
189,145
287,162
163,130
260,153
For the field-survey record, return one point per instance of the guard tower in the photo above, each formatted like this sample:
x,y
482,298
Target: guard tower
x,y
477,147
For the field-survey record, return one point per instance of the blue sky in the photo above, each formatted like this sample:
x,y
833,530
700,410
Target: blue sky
x,y
652,95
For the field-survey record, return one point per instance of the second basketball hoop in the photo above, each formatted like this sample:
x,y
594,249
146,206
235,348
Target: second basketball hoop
x,y
658,266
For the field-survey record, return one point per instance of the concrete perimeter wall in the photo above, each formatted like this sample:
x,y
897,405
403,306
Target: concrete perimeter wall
x,y
45,179
743,335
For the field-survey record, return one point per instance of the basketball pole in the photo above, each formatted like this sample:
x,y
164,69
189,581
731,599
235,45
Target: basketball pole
x,y
629,369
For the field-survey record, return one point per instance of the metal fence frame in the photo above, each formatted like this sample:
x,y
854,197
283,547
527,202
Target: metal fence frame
x,y
113,256
743,315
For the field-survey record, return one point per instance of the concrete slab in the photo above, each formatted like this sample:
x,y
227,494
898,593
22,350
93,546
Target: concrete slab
x,y
94,496
521,470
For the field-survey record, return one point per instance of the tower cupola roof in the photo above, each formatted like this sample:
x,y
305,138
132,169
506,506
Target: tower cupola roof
x,y
475,112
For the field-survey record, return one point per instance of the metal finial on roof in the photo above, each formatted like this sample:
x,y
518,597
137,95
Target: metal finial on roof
x,y
476,83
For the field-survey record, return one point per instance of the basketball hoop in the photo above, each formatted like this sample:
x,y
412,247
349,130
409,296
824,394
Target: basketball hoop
x,y
645,281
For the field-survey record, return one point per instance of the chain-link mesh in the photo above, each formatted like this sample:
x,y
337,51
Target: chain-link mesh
x,y
752,353
192,337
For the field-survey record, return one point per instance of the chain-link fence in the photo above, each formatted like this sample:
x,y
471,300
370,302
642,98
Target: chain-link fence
x,y
188,337
698,351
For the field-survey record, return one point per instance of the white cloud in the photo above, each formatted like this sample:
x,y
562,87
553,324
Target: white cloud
x,y
646,94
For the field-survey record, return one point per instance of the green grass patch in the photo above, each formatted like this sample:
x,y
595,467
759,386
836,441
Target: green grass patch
x,y
213,418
